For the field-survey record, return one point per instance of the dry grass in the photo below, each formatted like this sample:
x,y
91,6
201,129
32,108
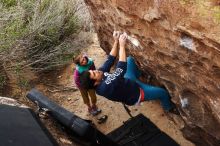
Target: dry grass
x,y
34,34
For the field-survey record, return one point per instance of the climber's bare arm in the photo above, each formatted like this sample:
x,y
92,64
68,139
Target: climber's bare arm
x,y
122,51
114,50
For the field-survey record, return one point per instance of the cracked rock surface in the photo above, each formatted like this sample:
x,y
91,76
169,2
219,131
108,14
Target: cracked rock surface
x,y
179,47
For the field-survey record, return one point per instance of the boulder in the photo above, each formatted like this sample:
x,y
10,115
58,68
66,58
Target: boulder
x,y
177,43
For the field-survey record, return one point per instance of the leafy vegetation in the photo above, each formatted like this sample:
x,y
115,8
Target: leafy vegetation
x,y
32,32
33,35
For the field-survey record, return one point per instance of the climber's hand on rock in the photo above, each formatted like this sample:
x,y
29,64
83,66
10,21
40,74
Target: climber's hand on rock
x,y
122,39
116,35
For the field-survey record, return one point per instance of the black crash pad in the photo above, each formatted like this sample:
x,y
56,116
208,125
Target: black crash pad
x,y
140,131
81,130
21,127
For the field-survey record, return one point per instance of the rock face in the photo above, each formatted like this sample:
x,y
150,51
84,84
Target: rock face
x,y
177,42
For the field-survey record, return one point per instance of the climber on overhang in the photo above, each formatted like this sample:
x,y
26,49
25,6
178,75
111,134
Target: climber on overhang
x,y
123,84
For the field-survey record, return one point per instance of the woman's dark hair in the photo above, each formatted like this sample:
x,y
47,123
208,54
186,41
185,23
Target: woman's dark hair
x,y
85,81
76,60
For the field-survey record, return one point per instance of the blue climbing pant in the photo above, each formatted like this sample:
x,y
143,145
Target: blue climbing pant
x,y
150,92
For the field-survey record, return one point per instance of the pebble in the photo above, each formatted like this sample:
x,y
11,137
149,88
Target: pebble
x,y
65,141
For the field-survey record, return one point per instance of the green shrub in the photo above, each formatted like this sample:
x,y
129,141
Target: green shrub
x,y
9,3
33,32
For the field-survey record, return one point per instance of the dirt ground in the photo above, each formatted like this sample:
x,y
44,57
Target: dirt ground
x,y
60,88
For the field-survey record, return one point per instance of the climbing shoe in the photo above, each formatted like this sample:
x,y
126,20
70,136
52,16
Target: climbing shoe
x,y
102,119
95,112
